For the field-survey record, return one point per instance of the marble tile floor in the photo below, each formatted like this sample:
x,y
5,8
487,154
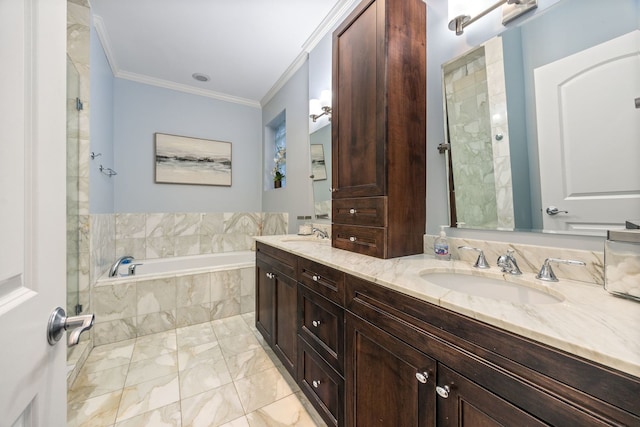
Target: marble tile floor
x,y
219,373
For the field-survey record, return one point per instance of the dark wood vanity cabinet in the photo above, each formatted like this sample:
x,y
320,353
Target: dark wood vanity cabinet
x,y
483,376
277,302
379,129
389,383
366,355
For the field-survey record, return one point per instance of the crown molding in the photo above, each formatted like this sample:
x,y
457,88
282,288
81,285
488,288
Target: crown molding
x,y
141,78
328,23
103,36
325,26
284,78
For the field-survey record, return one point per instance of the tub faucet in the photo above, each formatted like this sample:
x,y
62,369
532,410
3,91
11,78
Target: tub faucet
x,y
320,233
113,271
508,264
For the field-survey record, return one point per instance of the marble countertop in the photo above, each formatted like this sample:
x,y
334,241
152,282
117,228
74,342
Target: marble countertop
x,y
588,322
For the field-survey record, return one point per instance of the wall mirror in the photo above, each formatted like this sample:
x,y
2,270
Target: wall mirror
x,y
320,149
543,123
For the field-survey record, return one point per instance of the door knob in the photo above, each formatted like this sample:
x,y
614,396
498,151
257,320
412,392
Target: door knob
x,y
552,210
59,322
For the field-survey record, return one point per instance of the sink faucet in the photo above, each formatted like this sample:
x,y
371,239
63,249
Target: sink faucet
x,y
320,233
508,264
481,262
546,273
113,271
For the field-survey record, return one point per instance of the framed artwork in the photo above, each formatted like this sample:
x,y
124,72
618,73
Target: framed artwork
x,y
318,168
185,160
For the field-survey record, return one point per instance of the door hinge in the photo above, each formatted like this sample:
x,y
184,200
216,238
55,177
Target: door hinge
x,y
444,147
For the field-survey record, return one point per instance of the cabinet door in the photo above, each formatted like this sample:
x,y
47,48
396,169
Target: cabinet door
x,y
464,403
358,150
285,339
265,300
389,383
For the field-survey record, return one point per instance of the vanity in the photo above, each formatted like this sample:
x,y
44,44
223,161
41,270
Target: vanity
x,y
377,342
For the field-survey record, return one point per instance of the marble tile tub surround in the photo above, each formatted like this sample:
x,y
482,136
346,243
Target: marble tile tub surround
x,y
127,309
161,235
155,235
529,257
589,322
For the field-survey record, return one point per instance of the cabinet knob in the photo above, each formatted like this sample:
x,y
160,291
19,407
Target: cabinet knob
x,y
316,323
315,383
443,391
315,277
270,275
352,211
352,239
423,377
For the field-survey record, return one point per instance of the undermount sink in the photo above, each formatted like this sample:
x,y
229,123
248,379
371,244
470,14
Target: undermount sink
x,y
488,287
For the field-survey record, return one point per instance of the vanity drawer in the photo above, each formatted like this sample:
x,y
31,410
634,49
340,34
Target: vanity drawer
x,y
364,240
321,324
370,211
324,280
282,261
321,384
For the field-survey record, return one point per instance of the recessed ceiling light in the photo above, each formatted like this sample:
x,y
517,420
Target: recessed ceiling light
x,y
201,77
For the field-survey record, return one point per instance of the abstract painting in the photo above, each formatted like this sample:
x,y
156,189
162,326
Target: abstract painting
x,y
185,160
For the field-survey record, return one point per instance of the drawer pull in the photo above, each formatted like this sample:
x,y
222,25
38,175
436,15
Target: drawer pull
x,y
270,275
423,377
443,391
352,239
316,323
315,278
352,211
315,383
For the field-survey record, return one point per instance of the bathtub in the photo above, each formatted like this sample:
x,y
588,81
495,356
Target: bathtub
x,y
172,293
178,266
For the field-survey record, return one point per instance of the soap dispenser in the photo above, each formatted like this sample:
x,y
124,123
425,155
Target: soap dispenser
x,y
441,246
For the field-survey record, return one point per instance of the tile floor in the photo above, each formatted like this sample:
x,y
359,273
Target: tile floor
x,y
219,373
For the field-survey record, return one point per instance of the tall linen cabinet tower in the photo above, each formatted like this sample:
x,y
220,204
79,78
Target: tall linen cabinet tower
x,y
379,129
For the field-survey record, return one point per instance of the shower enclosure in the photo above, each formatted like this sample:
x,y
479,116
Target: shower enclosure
x,y
74,105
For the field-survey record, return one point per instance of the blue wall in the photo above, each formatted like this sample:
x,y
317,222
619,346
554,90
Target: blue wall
x,y
141,110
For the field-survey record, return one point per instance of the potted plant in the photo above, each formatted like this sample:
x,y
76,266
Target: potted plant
x,y
278,169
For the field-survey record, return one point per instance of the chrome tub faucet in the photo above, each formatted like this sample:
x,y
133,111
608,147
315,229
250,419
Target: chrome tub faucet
x,y
113,271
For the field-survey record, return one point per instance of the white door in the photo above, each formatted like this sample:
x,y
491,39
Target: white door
x,y
589,137
32,210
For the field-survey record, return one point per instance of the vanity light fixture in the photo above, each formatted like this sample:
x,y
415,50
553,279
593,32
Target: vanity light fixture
x,y
320,107
511,10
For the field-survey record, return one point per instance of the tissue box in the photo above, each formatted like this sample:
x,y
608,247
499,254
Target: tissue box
x,y
622,263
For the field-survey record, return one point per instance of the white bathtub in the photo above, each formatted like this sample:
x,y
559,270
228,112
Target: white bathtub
x,y
177,266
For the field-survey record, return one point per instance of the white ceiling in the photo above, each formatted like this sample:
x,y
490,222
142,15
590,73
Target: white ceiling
x,y
247,47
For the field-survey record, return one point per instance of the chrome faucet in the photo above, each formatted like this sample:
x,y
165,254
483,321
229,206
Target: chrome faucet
x,y
546,273
508,264
481,262
320,233
113,271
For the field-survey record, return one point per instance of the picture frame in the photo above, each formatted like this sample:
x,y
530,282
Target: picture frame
x,y
196,161
318,167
